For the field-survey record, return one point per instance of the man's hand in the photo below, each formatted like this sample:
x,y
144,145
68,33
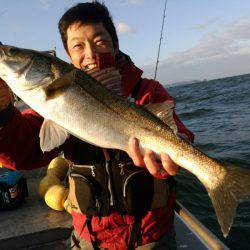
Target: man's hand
x,y
109,77
4,95
149,160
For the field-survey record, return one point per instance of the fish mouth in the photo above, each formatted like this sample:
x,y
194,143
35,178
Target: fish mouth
x,y
7,51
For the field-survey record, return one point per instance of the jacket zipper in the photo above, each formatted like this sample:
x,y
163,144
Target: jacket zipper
x,y
109,184
90,167
123,165
128,179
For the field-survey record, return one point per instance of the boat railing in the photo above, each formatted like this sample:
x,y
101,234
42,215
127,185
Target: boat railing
x,y
203,233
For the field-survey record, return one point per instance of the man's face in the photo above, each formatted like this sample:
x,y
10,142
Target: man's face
x,y
85,42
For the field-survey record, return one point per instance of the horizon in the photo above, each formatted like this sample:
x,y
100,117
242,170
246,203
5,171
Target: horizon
x,y
200,81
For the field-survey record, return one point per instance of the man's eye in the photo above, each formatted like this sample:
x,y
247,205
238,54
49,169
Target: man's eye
x,y
78,46
101,42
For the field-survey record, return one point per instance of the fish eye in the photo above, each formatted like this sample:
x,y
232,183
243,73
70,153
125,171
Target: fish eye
x,y
13,50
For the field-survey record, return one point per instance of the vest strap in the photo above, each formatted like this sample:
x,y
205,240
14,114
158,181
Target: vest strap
x,y
89,226
136,235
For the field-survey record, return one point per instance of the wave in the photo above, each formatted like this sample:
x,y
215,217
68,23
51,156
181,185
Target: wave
x,y
195,113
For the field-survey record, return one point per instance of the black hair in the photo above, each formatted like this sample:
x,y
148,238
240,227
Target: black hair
x,y
87,13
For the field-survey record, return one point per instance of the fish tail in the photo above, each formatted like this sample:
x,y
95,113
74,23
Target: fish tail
x,y
225,198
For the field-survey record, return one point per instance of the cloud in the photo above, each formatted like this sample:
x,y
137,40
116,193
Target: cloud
x,y
227,40
135,1
2,12
219,53
16,28
129,1
205,25
124,28
46,4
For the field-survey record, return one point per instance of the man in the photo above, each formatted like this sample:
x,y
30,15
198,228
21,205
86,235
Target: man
x,y
123,209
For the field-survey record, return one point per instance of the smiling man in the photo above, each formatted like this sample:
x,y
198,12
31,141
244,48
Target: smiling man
x,y
87,30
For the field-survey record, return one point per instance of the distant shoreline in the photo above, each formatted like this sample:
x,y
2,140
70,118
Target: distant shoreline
x,y
205,80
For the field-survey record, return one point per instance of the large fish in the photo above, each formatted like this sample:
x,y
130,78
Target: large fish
x,y
77,104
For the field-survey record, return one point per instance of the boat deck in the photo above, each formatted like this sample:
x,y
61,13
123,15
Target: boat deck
x,y
35,226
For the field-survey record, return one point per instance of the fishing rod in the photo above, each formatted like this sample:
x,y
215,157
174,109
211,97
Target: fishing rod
x,y
162,26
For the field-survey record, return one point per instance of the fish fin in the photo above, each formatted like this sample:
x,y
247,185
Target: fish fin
x,y
225,198
51,135
164,111
55,70
58,86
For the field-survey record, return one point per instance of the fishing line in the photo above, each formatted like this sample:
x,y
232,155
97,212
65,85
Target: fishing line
x,y
162,26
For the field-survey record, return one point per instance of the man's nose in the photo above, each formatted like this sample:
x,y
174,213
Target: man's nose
x,y
90,51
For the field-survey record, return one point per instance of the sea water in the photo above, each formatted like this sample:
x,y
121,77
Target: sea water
x,y
218,113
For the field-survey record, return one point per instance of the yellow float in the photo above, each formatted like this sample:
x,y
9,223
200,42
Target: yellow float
x,y
59,167
50,187
56,196
46,182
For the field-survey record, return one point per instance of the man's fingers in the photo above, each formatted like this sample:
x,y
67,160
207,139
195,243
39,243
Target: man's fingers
x,y
135,153
150,161
97,73
108,77
156,167
169,165
111,79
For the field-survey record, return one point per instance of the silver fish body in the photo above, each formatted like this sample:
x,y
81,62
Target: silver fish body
x,y
81,106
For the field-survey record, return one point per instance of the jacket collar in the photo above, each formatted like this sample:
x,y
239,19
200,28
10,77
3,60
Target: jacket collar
x,y
130,74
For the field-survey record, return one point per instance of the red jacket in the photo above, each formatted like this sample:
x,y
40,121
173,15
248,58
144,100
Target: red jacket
x,y
19,149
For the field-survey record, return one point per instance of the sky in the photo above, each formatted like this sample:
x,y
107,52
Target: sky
x,y
202,39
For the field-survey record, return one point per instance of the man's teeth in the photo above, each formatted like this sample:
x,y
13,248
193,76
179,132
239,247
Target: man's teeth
x,y
91,66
